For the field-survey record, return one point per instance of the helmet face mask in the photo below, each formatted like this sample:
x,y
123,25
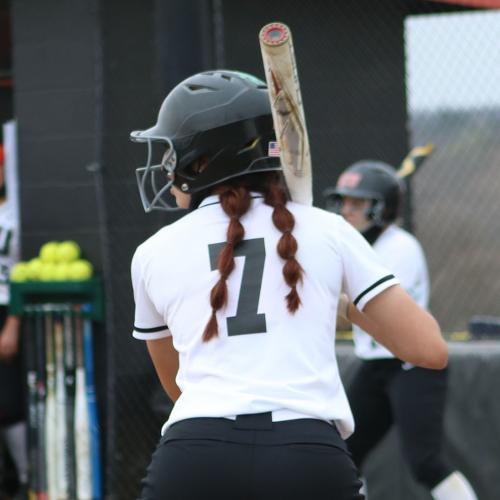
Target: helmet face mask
x,y
374,213
222,118
155,179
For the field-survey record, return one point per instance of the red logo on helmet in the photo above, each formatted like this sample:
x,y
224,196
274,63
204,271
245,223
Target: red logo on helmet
x,y
349,180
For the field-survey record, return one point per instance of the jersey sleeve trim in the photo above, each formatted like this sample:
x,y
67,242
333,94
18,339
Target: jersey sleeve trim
x,y
155,333
373,290
150,330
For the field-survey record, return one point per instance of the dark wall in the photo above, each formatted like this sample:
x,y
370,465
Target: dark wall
x,y
145,49
6,94
55,103
130,97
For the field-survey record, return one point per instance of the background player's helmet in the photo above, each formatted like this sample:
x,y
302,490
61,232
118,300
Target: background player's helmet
x,y
223,117
372,180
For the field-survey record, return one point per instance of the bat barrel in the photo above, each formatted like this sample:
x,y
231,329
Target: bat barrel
x,y
274,34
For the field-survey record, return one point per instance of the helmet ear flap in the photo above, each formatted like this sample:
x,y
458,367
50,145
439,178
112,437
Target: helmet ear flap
x,y
376,212
333,202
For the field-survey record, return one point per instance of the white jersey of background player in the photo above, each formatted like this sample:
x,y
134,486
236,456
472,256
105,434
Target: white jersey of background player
x,y
400,252
9,248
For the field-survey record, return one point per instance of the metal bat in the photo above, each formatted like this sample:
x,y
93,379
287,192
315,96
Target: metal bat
x,y
51,445
60,397
41,474
92,405
82,419
31,332
69,387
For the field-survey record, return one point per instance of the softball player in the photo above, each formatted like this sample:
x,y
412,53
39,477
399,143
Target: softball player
x,y
236,302
387,390
12,425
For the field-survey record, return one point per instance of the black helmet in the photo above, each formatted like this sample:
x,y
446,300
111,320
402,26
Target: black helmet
x,y
371,180
221,116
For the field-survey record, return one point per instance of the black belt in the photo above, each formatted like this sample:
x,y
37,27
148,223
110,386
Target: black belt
x,y
257,429
254,421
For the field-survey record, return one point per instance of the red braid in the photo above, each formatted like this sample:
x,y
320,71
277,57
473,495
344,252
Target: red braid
x,y
235,201
287,245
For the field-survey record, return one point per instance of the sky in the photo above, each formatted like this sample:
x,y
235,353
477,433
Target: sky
x,y
453,60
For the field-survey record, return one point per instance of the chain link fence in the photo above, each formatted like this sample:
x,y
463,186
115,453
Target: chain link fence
x,y
453,82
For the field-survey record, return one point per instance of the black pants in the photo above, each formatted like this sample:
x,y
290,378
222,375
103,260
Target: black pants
x,y
383,394
251,458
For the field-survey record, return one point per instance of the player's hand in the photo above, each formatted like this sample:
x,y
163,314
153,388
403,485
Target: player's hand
x,y
343,306
9,341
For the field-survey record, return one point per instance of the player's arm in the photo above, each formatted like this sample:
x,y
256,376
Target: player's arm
x,y
166,362
397,322
9,337
343,323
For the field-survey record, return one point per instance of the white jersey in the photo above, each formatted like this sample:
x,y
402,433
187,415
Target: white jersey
x,y
9,248
264,359
400,252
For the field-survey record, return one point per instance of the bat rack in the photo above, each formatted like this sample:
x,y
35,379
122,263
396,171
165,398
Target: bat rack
x,y
63,418
55,292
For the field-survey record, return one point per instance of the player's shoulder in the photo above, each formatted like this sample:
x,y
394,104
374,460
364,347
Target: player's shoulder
x,y
398,237
314,214
401,234
165,237
326,229
326,224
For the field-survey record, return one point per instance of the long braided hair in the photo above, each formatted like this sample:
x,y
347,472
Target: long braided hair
x,y
235,200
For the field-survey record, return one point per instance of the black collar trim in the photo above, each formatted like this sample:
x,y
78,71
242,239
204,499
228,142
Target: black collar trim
x,y
218,201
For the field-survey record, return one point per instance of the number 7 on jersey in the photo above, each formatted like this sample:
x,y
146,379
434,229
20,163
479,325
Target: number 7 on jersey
x,y
247,320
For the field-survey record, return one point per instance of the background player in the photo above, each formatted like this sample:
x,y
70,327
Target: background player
x,y
12,424
386,390
248,283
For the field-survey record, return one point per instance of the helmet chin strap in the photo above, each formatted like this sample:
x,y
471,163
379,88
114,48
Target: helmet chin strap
x,y
372,233
375,227
198,197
